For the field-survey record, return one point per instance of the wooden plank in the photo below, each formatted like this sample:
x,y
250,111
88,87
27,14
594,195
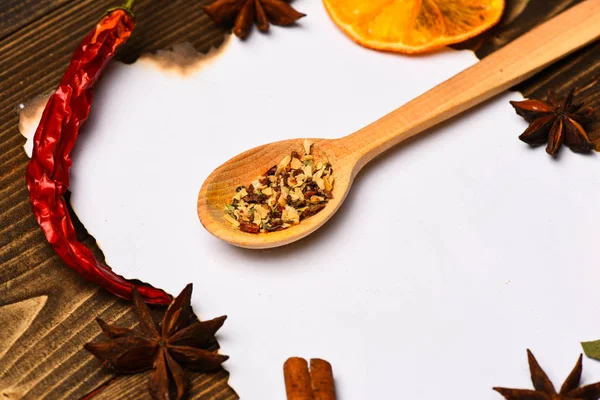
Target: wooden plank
x,y
15,14
48,308
208,386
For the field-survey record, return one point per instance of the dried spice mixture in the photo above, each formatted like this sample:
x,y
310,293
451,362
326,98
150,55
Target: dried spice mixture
x,y
295,189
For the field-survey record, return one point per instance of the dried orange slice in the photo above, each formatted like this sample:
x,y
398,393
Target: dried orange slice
x,y
413,26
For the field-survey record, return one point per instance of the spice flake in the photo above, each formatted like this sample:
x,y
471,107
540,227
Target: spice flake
x,y
289,192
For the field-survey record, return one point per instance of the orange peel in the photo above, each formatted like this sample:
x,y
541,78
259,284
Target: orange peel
x,y
413,26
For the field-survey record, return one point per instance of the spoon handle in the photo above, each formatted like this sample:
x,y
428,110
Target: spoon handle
x,y
499,71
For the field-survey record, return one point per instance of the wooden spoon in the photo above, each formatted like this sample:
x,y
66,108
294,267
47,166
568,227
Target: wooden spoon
x,y
499,71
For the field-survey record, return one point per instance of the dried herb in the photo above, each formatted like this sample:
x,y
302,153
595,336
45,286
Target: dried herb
x,y
556,123
48,170
544,390
295,189
240,14
180,341
591,349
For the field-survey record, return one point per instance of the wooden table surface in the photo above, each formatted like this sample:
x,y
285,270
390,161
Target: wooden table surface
x,y
47,311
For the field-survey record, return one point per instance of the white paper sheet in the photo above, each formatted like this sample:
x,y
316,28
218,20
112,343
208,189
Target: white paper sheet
x,y
452,255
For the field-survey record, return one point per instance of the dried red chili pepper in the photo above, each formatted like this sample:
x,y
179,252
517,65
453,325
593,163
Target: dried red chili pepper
x,y
48,170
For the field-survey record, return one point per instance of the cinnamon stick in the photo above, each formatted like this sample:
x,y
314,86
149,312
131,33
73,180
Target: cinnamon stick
x,y
297,379
321,376
300,384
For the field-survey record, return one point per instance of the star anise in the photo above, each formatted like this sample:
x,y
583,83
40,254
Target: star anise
x,y
556,123
240,14
544,390
179,342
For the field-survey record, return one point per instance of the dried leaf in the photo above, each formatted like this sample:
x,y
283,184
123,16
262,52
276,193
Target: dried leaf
x,y
592,349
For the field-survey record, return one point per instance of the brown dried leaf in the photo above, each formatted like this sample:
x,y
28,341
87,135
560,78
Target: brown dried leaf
x,y
272,170
249,227
312,210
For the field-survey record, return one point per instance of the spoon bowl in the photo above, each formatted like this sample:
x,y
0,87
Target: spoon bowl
x,y
219,188
496,73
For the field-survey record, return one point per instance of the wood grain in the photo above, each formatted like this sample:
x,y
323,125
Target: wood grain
x,y
49,307
15,14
